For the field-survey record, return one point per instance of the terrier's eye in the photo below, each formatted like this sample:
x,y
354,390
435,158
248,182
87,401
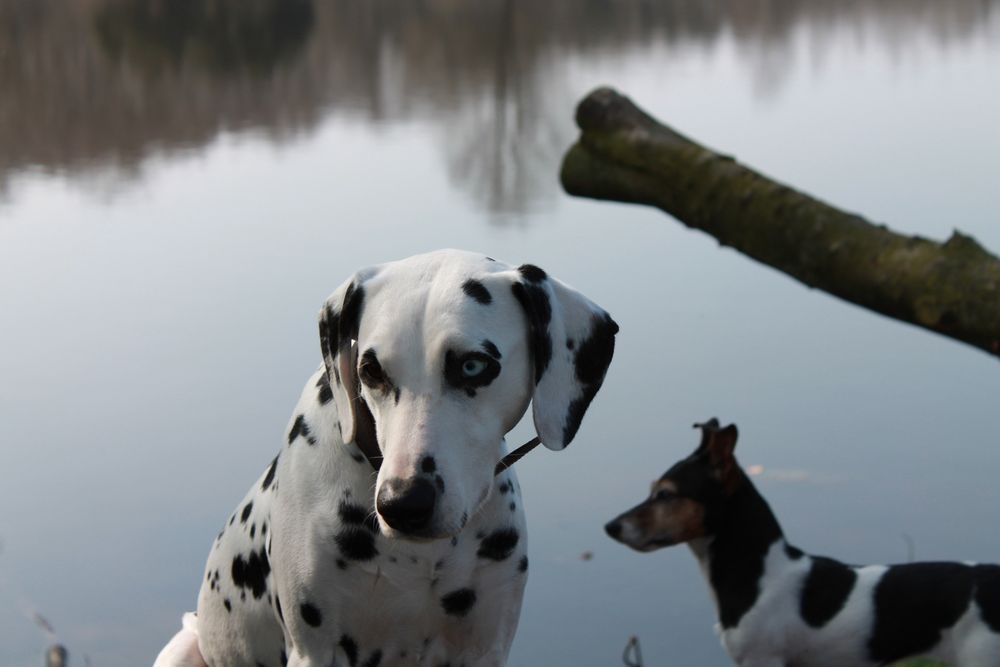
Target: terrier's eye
x,y
473,367
664,494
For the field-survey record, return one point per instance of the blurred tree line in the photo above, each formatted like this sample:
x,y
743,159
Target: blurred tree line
x,y
102,84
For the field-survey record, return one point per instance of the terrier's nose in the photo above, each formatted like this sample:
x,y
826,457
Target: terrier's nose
x,y
407,505
613,528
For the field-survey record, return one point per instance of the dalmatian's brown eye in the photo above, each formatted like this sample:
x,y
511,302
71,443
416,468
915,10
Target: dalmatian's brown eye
x,y
370,371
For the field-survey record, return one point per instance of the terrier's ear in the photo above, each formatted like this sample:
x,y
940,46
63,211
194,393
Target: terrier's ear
x,y
708,429
572,340
718,444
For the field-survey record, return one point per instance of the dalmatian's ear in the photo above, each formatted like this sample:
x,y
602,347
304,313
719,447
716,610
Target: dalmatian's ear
x,y
339,321
572,341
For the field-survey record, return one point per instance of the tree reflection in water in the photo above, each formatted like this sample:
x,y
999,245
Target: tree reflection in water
x,y
225,37
98,84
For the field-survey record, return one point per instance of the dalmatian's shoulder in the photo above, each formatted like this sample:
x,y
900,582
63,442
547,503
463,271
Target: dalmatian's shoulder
x,y
238,599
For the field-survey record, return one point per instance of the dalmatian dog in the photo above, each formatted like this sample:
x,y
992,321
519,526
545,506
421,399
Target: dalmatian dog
x,y
379,535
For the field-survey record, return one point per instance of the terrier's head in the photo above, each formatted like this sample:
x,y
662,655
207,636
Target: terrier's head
x,y
681,503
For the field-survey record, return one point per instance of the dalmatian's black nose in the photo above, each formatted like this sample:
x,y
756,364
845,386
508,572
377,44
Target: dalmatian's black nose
x,y
407,505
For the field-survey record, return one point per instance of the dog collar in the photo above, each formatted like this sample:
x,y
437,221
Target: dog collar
x,y
516,455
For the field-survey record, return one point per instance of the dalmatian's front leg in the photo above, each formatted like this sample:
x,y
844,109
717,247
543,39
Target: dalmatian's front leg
x,y
309,611
484,637
319,655
296,659
310,636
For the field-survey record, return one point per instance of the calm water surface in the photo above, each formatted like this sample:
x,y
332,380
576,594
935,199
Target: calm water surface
x,y
182,185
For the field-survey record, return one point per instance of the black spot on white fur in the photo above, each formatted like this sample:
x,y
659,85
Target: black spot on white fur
x,y
269,477
590,362
914,603
534,301
532,273
350,317
310,614
351,514
355,515
356,541
251,572
300,428
499,544
329,340
325,394
477,291
491,349
459,602
350,648
245,514
826,589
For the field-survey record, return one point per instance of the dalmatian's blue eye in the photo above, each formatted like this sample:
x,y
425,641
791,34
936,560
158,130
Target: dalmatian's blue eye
x,y
473,367
470,371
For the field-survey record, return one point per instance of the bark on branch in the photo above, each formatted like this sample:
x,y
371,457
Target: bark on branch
x,y
625,155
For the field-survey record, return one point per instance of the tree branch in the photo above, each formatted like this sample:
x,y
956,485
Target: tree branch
x,y
625,155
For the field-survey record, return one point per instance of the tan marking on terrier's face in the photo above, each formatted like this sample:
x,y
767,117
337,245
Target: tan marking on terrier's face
x,y
662,520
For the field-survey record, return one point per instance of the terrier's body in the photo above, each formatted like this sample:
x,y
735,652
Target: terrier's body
x,y
779,607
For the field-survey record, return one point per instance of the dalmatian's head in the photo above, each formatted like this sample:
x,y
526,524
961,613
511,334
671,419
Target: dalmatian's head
x,y
442,353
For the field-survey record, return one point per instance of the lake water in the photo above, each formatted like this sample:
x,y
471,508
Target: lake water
x,y
181,185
